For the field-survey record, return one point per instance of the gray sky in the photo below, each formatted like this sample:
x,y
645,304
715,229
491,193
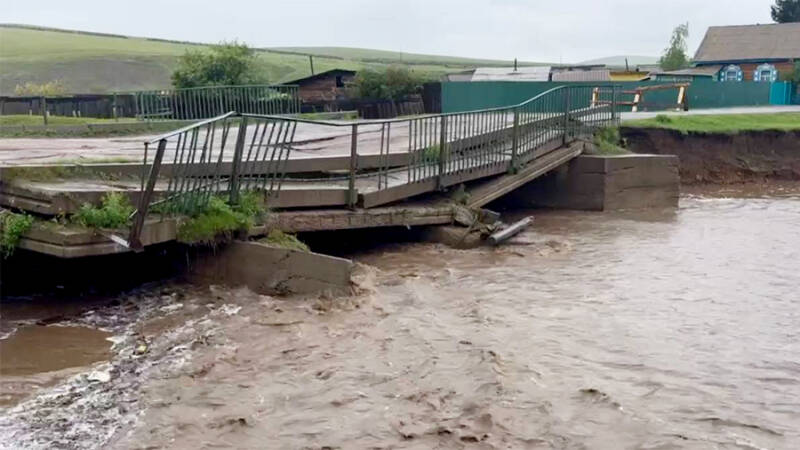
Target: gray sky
x,y
533,30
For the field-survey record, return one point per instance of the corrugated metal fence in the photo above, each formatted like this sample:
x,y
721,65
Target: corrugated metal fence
x,y
460,96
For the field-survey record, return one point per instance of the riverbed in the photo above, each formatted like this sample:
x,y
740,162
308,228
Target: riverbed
x,y
658,329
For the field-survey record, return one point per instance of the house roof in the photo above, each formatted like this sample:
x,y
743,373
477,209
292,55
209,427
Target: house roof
x,y
537,73
700,71
583,75
750,42
327,73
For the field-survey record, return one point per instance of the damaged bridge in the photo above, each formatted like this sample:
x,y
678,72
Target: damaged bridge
x,y
315,175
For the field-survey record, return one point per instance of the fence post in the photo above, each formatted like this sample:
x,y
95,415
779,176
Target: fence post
x,y
515,141
134,239
614,105
352,197
44,109
114,108
442,151
238,150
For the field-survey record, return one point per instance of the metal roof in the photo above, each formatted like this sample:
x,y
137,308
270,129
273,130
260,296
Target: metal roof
x,y
583,75
538,73
750,42
703,71
327,73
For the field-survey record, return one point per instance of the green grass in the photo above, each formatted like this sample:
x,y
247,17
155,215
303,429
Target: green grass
x,y
607,141
25,119
720,123
219,221
114,212
280,239
12,227
90,63
67,126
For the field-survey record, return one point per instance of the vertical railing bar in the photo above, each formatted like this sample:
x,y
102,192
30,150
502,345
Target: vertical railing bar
x,y
351,188
233,184
134,238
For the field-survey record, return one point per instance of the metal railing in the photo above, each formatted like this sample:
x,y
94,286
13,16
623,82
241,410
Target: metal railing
x,y
222,156
211,101
388,159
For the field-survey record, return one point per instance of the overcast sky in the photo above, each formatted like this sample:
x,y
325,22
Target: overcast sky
x,y
532,30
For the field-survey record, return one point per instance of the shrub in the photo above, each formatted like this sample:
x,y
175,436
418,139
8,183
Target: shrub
x,y
393,83
12,227
226,64
218,219
663,118
114,212
44,89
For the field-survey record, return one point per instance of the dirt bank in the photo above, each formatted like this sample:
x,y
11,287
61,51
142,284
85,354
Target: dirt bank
x,y
721,158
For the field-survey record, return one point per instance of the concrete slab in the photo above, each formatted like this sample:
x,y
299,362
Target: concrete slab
x,y
272,270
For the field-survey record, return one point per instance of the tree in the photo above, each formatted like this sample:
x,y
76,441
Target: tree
x,y
226,64
393,83
674,56
784,11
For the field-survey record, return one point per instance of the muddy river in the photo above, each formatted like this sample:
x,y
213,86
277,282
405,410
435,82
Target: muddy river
x,y
667,329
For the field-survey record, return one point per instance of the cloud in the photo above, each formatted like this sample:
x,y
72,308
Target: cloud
x,y
534,30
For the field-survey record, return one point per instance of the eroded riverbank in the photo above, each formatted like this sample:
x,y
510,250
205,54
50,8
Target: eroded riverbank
x,y
596,330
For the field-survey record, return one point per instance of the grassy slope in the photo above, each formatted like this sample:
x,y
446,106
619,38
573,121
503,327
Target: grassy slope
x,y
722,123
386,56
87,63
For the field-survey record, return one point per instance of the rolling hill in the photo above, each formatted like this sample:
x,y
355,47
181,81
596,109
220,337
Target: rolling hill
x,y
98,63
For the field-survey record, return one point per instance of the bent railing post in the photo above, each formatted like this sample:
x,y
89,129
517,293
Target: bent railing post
x,y
236,163
352,198
134,239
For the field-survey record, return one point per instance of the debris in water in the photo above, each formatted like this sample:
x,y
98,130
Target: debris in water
x,y
102,376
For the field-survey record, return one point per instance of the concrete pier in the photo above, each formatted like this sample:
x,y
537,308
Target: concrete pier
x,y
604,183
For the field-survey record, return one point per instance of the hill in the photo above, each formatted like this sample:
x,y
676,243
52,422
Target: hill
x,y
97,63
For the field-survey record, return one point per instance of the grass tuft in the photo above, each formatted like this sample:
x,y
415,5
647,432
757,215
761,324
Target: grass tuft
x,y
289,241
607,141
12,227
218,220
114,212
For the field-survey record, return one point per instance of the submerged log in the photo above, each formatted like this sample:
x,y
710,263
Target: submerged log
x,y
506,233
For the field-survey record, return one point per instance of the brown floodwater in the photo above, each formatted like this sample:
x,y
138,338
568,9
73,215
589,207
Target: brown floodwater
x,y
659,329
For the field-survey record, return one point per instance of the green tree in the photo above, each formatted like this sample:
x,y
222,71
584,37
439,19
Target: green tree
x,y
393,83
674,56
226,64
784,11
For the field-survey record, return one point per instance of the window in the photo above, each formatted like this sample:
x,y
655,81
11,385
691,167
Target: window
x,y
731,73
339,82
765,73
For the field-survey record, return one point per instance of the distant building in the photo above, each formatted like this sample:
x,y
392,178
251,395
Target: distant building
x,y
535,73
708,72
748,52
532,73
324,87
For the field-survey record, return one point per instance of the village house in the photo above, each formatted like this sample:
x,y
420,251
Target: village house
x,y
761,53
324,88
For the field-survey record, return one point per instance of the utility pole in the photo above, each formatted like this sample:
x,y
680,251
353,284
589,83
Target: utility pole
x,y
311,62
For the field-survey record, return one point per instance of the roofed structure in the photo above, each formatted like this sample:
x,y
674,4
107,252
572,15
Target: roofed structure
x,y
742,43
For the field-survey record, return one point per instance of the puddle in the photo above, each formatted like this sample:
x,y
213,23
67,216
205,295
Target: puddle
x,y
37,356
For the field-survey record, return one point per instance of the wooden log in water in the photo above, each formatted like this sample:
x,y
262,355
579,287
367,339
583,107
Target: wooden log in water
x,y
507,233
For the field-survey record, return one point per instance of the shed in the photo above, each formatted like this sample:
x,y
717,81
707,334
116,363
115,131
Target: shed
x,y
323,87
